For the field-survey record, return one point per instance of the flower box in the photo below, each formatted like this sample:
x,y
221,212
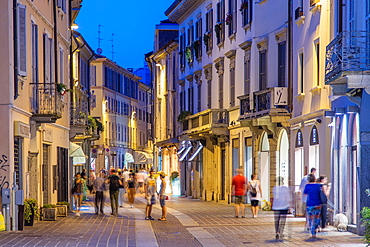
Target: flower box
x,y
49,214
62,210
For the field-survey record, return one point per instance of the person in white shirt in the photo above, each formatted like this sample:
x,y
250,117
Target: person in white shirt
x,y
281,205
140,178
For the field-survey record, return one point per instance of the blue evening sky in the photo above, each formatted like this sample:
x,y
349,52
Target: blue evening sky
x,y
132,23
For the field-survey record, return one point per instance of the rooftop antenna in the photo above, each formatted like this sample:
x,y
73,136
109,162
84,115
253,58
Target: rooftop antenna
x,y
112,47
99,50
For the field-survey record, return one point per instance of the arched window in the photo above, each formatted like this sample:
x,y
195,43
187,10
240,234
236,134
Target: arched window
x,y
314,138
299,139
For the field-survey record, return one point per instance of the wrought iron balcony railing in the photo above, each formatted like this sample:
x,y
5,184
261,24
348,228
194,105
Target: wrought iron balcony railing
x,y
264,100
46,102
79,113
348,52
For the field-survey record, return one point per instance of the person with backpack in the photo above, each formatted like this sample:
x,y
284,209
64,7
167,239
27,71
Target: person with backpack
x,y
255,194
114,183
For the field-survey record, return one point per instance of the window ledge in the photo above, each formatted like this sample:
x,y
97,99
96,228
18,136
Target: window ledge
x,y
232,36
209,52
315,90
247,26
221,44
261,1
300,20
316,7
300,97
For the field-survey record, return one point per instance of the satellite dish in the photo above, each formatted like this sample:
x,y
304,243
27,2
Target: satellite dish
x,y
99,50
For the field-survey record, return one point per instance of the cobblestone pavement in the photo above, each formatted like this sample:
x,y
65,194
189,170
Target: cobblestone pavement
x,y
189,223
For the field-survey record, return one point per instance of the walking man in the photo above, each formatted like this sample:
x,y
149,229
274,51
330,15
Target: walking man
x,y
238,187
162,196
114,183
99,187
150,191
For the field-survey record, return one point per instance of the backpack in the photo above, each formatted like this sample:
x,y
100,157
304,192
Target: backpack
x,y
114,183
253,191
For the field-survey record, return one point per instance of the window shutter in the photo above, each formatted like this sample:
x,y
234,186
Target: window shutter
x,y
35,58
46,59
22,43
52,61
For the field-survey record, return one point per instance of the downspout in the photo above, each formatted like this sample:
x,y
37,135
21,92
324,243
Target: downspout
x,y
290,58
15,40
55,40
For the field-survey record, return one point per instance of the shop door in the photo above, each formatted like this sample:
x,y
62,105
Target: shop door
x,y
62,174
264,174
45,173
223,171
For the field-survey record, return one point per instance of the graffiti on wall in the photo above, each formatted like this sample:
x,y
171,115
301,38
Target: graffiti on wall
x,y
4,173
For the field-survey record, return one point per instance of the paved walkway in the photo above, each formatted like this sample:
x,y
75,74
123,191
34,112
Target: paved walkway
x,y
189,223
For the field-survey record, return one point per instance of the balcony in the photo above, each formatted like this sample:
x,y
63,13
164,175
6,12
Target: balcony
x,y
272,102
46,103
348,61
79,113
298,12
214,121
313,2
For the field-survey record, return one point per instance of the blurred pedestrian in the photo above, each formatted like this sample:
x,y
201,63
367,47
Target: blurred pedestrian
x,y
150,191
324,193
282,202
140,178
304,197
114,184
255,193
131,189
238,188
312,190
162,196
121,192
77,191
99,188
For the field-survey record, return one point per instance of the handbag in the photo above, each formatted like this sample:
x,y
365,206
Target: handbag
x,y
166,197
253,191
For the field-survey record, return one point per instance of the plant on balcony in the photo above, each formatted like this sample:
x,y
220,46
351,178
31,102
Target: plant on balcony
x,y
174,175
229,19
188,54
243,6
30,211
207,38
196,48
365,213
218,29
62,88
95,124
181,117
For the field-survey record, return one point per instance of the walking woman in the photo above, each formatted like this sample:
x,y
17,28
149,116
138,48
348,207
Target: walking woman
x,y
255,193
312,190
162,196
325,187
282,202
131,183
78,191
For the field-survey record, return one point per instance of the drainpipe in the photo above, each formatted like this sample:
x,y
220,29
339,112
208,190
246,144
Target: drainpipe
x,y
15,40
290,58
55,40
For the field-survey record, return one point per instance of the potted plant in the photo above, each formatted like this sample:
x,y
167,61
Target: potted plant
x,y
49,212
218,29
365,213
229,19
243,6
196,48
62,88
30,211
62,209
206,38
188,54
182,116
173,177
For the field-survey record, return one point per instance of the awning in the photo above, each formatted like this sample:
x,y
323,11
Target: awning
x,y
182,148
142,158
75,150
198,149
187,150
129,158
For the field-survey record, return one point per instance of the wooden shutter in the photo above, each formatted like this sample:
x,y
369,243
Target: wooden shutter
x,y
35,54
46,59
22,41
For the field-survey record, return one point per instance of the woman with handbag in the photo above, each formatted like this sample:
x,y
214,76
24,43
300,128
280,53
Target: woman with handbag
x,y
312,190
324,193
162,196
255,194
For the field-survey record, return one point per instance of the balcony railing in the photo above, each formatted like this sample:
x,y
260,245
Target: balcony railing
x,y
313,2
79,113
263,101
211,118
348,52
46,102
298,12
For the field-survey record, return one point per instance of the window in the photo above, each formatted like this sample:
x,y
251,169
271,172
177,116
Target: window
x,y
232,83
317,53
189,52
246,9
209,91
198,39
263,70
48,59
182,51
208,35
300,75
199,97
247,74
314,138
34,53
62,5
22,41
220,25
299,139
191,99
281,64
61,66
232,17
221,90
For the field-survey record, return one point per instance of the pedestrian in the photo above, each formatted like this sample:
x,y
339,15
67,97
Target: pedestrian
x,y
162,196
77,190
238,188
282,202
140,178
304,197
150,191
99,188
313,204
324,193
255,193
114,183
121,192
131,189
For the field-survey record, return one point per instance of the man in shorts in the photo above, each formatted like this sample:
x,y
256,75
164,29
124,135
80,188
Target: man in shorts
x,y
150,191
162,195
238,188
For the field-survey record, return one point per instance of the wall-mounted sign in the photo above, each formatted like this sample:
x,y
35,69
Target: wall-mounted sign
x,y
21,129
299,139
280,96
47,135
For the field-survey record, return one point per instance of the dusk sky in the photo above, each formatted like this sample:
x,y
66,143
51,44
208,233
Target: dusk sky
x,y
132,23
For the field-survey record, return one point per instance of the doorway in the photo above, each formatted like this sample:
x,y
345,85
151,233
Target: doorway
x,y
264,168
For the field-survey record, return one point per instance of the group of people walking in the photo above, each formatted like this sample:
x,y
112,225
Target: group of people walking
x,y
119,183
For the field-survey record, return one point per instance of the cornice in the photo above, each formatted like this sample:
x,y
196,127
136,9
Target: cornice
x,y
246,45
230,54
183,9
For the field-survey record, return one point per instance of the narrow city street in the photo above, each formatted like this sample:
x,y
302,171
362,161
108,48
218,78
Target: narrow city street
x,y
190,222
